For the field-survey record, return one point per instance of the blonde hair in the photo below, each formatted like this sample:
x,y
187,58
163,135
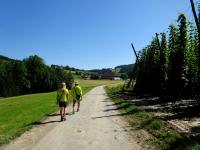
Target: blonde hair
x,y
62,85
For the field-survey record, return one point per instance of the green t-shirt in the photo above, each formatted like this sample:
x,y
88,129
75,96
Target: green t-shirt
x,y
62,95
76,90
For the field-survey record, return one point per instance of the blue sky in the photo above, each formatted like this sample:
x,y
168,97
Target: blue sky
x,y
86,34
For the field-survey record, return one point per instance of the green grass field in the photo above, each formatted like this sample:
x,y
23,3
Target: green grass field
x,y
18,114
89,83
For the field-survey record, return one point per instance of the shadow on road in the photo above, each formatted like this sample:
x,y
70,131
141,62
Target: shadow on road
x,y
114,104
47,122
118,108
106,100
53,121
118,114
57,114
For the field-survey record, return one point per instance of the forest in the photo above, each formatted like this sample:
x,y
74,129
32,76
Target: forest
x,y
31,75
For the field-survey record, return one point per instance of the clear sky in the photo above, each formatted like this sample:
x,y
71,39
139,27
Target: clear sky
x,y
86,34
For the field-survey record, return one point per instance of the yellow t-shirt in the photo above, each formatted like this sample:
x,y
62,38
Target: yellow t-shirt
x,y
62,95
76,90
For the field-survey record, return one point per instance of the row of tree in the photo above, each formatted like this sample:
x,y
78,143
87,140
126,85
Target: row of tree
x,y
169,68
31,75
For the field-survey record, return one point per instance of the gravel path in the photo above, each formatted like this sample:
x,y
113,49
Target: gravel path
x,y
97,126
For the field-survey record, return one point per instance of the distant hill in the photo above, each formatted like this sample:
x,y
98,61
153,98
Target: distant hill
x,y
4,58
124,68
101,71
72,68
119,69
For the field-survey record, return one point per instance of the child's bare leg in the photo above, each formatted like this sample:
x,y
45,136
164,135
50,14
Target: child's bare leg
x,y
73,106
64,114
61,111
78,105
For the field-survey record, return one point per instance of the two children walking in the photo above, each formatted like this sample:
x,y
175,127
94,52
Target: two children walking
x,y
63,97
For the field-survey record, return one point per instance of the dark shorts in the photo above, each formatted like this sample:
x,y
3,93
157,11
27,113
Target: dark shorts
x,y
78,97
63,104
74,101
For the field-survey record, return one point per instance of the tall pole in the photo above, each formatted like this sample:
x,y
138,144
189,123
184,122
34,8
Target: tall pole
x,y
137,59
195,16
135,52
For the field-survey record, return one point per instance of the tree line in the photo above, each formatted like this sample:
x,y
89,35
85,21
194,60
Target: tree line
x,y
169,66
30,75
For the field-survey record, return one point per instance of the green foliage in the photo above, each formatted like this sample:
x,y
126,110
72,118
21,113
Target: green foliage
x,y
94,76
124,76
148,70
71,69
192,59
182,46
170,70
19,72
173,46
13,78
69,79
6,79
31,75
38,74
163,65
153,124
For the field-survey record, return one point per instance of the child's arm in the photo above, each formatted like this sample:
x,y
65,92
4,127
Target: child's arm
x,y
81,93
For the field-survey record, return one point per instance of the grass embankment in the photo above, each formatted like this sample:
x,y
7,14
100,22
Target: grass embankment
x,y
18,114
165,137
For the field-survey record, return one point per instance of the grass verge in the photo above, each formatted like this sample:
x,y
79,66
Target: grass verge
x,y
166,138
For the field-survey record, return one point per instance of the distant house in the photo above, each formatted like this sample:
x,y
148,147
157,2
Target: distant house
x,y
110,76
116,78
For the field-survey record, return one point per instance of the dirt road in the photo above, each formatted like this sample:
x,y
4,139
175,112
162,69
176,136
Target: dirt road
x,y
96,126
